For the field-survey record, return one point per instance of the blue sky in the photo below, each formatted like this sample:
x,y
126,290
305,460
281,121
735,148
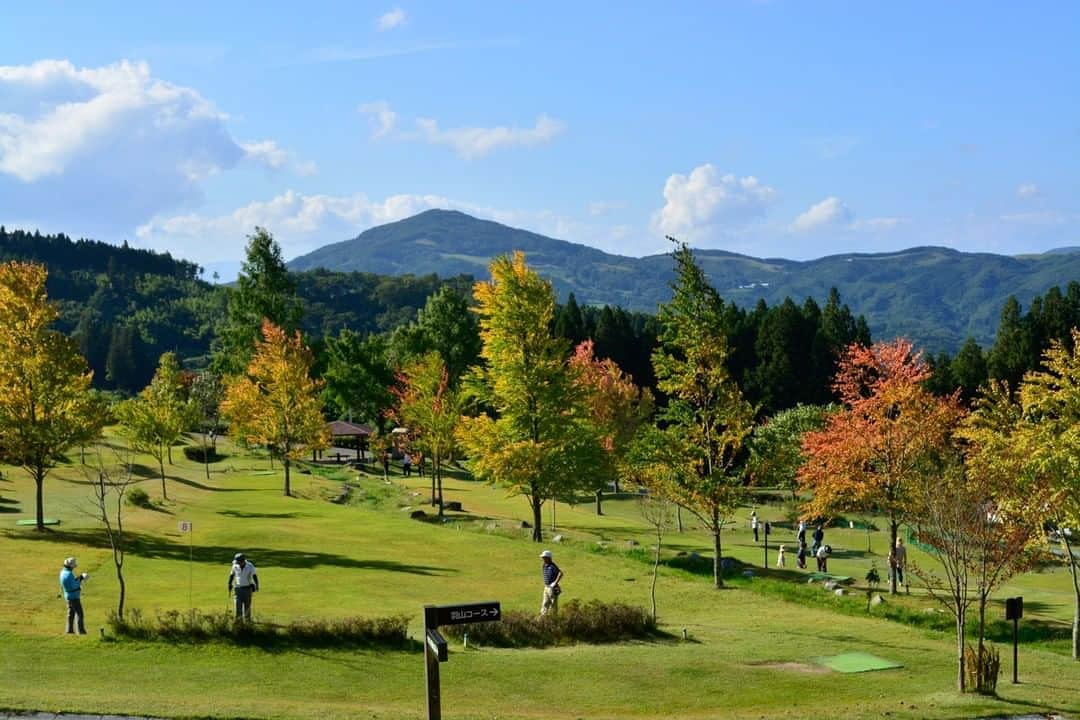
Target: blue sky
x,y
794,129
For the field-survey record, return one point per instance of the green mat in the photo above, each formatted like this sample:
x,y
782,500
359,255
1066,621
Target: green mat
x,y
32,521
856,662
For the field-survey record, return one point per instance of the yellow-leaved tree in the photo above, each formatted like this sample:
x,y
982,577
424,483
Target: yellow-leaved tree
x,y
46,405
277,403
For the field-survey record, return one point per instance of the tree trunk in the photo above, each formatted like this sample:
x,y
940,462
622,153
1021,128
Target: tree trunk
x,y
1074,570
205,457
436,470
960,679
553,528
433,492
538,520
123,592
718,575
288,489
655,571
894,529
168,451
678,518
161,469
39,482
599,500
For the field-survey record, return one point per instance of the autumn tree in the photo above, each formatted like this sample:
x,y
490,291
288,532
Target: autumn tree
x,y
707,422
616,407
886,435
431,409
157,417
533,437
1048,440
276,403
46,406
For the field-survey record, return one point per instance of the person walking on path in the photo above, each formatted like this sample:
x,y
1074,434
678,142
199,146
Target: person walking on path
x,y
71,586
246,583
898,561
754,524
552,575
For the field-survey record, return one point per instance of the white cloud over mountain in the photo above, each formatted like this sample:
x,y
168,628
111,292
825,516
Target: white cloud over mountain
x,y
830,212
105,148
391,19
699,204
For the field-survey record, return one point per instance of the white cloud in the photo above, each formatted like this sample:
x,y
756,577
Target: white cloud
x,y
1027,191
115,143
603,207
383,117
698,202
391,19
472,142
830,212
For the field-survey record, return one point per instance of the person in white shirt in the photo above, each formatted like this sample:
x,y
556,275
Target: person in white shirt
x,y
246,582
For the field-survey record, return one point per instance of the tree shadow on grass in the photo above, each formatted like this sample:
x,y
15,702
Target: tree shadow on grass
x,y
157,548
260,515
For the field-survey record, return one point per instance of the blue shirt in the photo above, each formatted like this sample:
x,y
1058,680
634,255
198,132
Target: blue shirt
x,y
551,571
70,584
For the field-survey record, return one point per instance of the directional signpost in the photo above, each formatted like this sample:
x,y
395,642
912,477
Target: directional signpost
x,y
1014,610
185,526
435,644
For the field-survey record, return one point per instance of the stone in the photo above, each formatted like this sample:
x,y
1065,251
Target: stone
x,y
453,505
525,525
632,543
811,581
830,585
418,515
557,538
748,573
840,591
877,599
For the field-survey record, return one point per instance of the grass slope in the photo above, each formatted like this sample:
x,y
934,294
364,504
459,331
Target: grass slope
x,y
319,559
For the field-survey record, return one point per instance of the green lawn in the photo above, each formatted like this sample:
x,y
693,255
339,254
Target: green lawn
x,y
750,654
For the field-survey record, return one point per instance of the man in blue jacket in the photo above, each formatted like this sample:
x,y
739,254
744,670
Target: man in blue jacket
x,y
71,585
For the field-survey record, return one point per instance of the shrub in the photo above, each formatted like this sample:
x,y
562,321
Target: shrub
x,y
195,454
591,622
199,627
138,497
982,669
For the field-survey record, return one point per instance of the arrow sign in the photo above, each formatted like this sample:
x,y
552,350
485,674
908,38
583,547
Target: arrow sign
x,y
469,613
437,643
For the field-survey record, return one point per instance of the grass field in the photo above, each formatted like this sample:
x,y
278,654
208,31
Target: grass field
x,y
750,652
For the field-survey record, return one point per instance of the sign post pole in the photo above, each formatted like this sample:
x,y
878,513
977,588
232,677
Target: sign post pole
x,y
767,529
186,526
431,664
1014,610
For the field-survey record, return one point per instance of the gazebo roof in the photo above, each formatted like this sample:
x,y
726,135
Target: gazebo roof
x,y
340,428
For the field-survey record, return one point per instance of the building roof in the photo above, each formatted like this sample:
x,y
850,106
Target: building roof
x,y
340,428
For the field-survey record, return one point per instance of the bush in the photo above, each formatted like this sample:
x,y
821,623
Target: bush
x,y
199,627
591,622
138,497
195,454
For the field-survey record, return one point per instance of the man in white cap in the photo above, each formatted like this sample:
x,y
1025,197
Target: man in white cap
x,y
71,586
247,582
552,576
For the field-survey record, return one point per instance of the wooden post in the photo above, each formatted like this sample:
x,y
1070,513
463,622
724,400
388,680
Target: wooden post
x,y
431,665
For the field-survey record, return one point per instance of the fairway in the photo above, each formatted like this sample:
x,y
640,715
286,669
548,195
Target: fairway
x,y
367,557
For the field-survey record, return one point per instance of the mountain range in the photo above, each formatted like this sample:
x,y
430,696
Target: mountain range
x,y
936,296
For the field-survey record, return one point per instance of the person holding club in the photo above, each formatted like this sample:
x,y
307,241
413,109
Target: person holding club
x,y
71,586
242,574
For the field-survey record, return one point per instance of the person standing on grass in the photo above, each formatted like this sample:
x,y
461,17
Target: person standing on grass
x,y
71,586
800,557
420,464
822,556
754,524
801,534
385,457
552,575
406,464
246,583
898,561
819,537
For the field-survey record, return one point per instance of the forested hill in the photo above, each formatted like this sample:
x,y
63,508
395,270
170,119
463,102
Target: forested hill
x,y
126,306
936,296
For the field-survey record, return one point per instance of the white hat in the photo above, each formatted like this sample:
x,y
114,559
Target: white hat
x,y
71,562
546,553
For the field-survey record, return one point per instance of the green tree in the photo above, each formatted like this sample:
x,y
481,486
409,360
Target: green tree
x,y
430,407
277,403
569,322
444,325
46,406
537,441
157,417
1009,358
264,291
776,445
358,377
706,422
207,391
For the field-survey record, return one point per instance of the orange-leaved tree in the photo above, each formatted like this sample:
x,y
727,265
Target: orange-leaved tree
x,y
616,407
277,403
889,432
